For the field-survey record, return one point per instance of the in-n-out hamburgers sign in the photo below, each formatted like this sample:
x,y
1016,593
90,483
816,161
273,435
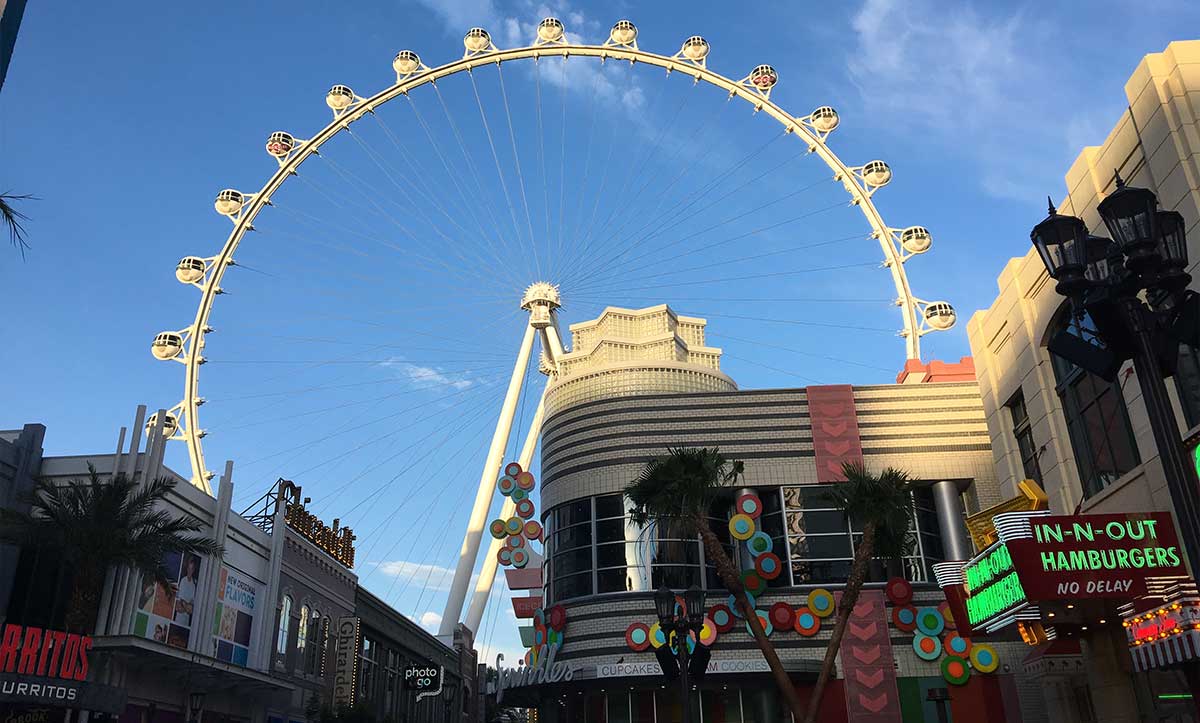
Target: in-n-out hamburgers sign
x,y
49,667
1042,557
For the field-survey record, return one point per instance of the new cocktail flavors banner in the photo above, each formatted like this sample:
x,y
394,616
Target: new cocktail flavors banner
x,y
1042,557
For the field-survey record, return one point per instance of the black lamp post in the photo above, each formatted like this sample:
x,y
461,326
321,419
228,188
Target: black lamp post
x,y
1133,290
673,620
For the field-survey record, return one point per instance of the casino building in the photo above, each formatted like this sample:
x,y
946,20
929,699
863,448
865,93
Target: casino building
x,y
640,381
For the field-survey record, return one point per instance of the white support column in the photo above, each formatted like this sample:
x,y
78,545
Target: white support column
x,y
487,486
483,586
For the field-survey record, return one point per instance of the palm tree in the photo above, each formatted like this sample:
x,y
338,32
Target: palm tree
x,y
882,505
13,219
95,525
678,490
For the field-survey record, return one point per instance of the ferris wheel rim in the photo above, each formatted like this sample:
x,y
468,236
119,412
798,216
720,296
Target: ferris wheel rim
x,y
186,412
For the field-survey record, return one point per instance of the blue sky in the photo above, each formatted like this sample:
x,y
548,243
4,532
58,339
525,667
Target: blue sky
x,y
363,344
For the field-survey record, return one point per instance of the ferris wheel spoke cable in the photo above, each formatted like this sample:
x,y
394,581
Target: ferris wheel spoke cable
x,y
789,372
801,322
630,276
571,237
520,175
631,212
669,218
541,157
562,165
791,350
481,198
512,212
793,272
686,237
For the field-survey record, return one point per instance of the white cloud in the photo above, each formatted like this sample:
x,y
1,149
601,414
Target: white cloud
x,y
438,577
961,73
430,620
427,376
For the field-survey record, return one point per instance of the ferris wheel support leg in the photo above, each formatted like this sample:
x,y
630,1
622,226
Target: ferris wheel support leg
x,y
551,342
487,575
487,487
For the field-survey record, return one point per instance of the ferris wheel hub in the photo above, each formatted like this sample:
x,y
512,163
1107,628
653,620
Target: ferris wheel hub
x,y
540,300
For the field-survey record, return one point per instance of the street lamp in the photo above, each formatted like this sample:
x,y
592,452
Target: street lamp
x,y
1132,290
683,624
195,706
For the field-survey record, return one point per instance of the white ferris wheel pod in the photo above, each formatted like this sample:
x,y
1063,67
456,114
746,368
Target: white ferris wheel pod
x,y
860,182
550,32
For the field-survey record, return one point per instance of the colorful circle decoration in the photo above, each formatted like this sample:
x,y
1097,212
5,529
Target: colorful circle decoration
x,y
806,623
929,621
539,617
554,638
753,582
708,632
691,642
765,620
497,529
520,558
514,525
525,510
749,505
947,615
905,618
533,530
539,635
506,485
504,556
519,494
768,566
512,469
741,527
733,603
957,645
984,658
637,637
722,617
759,543
899,591
657,637
820,602
557,618
525,481
514,543
925,647
680,607
782,616
955,670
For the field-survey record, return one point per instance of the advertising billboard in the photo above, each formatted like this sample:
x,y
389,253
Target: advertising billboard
x,y
165,610
237,599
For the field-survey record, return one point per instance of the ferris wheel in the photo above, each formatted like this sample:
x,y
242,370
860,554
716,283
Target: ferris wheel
x,y
471,202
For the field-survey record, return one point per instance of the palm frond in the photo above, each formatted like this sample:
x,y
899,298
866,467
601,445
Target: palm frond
x,y
14,219
680,485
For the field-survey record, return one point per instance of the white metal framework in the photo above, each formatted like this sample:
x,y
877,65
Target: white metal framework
x,y
541,299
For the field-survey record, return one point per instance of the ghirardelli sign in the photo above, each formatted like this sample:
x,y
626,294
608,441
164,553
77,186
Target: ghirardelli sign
x,y
345,660
545,671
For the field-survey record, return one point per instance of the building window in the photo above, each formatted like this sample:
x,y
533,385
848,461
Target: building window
x,y
822,540
316,644
391,698
368,668
1098,422
302,631
1187,383
285,625
569,548
1023,432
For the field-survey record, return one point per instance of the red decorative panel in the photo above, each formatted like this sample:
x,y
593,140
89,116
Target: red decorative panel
x,y
527,578
866,663
524,606
834,430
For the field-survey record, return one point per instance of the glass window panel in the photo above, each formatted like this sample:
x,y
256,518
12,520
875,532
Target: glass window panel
x,y
618,707
573,537
818,546
572,561
610,555
675,577
721,706
820,571
574,513
772,524
615,580
1187,383
677,552
770,500
816,523
595,708
610,506
815,497
610,531
573,586
932,546
642,706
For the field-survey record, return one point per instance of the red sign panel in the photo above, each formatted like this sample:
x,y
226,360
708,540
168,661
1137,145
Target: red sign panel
x,y
525,606
1106,556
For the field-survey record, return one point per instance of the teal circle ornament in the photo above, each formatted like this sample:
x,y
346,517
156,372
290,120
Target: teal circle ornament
x,y
926,647
518,494
930,621
732,602
759,543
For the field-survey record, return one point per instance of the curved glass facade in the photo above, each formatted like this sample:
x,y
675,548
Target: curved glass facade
x,y
593,548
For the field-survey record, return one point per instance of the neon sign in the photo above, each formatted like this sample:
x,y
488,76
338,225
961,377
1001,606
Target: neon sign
x,y
993,586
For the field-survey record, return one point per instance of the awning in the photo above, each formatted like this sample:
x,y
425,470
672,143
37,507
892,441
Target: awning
x,y
1166,651
204,672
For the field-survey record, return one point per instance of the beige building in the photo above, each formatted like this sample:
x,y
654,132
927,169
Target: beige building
x,y
1087,441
